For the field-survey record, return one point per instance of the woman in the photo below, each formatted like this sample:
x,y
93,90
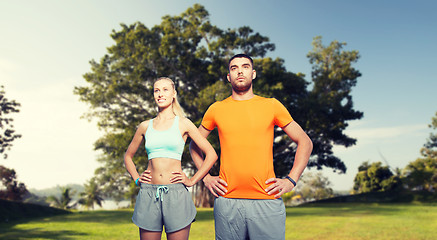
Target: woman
x,y
163,198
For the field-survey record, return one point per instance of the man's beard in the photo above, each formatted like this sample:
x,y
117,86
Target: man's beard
x,y
241,86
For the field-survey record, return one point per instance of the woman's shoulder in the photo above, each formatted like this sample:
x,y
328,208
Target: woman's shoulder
x,y
144,125
185,122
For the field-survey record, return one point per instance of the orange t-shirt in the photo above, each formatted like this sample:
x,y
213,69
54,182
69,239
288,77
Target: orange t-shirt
x,y
246,138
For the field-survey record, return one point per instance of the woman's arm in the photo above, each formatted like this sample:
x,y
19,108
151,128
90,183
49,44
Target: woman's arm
x,y
205,147
214,184
132,149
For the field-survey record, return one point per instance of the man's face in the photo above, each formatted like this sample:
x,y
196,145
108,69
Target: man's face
x,y
241,74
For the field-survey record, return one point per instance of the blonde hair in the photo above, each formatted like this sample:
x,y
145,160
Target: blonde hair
x,y
176,107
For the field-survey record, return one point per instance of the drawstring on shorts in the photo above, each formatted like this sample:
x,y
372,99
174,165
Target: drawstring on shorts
x,y
159,191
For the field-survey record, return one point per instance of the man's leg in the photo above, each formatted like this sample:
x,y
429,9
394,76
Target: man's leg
x,y
229,219
266,219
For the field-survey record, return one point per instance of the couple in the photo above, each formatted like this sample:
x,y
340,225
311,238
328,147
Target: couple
x,y
248,203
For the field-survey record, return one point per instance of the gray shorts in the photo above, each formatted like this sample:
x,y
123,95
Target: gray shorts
x,y
249,219
170,206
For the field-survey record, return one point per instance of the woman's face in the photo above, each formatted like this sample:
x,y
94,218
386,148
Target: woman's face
x,y
164,93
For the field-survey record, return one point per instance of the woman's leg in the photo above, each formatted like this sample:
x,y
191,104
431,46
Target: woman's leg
x,y
150,235
180,235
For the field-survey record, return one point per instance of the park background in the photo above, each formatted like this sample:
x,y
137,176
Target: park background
x,y
46,47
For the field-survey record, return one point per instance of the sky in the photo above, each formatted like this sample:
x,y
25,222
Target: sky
x,y
46,47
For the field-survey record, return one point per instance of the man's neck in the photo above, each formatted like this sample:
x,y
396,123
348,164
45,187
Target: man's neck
x,y
240,96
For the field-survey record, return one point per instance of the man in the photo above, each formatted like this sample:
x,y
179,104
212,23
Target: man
x,y
248,203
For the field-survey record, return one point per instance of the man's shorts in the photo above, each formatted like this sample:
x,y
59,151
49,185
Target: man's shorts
x,y
170,206
249,219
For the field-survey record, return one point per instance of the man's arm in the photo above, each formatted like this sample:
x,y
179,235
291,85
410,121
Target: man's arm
x,y
213,183
303,153
304,149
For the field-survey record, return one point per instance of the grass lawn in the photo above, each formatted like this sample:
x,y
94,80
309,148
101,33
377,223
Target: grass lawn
x,y
321,221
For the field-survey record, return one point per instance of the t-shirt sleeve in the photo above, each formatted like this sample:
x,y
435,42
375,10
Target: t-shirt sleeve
x,y
282,116
208,120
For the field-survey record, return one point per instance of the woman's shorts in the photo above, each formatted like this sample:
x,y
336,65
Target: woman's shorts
x,y
170,206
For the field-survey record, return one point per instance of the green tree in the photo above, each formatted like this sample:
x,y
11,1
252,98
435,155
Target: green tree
x,y
193,52
314,187
13,190
7,133
429,150
64,201
375,177
92,195
328,106
422,173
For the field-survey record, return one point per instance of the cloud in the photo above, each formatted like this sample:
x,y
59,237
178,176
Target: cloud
x,y
57,145
392,145
7,68
7,65
369,134
400,143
